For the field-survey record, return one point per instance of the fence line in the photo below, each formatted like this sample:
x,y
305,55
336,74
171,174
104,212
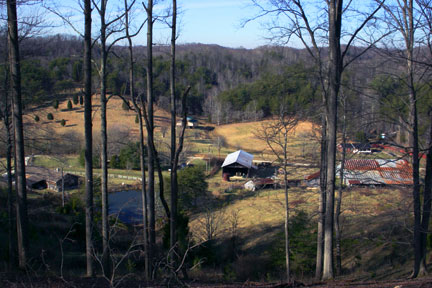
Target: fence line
x,y
81,173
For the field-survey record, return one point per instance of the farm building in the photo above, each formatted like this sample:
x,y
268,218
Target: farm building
x,y
190,122
377,172
238,163
43,178
312,180
356,147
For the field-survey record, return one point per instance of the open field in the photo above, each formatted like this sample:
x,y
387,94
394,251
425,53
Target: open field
x,y
117,117
245,136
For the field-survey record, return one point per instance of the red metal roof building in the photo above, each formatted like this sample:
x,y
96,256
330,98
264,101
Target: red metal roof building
x,y
377,172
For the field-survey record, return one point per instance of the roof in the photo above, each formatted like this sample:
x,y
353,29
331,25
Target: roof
x,y
313,176
36,174
190,119
241,157
358,146
378,171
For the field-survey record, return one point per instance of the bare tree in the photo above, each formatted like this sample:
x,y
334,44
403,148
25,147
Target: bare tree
x,y
276,134
149,126
107,28
314,32
138,110
402,16
175,151
88,135
20,176
5,115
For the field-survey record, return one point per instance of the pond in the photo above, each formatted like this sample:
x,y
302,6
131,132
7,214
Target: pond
x,y
127,205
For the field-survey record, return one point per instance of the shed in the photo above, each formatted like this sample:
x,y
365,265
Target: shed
x,y
313,180
238,163
43,178
190,122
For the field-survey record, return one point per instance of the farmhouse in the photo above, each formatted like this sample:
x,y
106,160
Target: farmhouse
x,y
43,178
377,172
238,163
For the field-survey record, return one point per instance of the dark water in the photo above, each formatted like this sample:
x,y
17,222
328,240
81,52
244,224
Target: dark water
x,y
127,205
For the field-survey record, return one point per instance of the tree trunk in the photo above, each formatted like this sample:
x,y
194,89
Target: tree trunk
x,y
141,142
20,175
150,190
426,203
9,143
287,243
408,10
104,144
173,174
339,197
88,137
322,199
335,14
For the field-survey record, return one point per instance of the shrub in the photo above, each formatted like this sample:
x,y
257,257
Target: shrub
x,y
69,105
63,122
50,116
136,119
191,186
36,118
81,100
128,158
55,104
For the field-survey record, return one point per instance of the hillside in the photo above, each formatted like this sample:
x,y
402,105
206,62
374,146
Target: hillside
x,y
117,118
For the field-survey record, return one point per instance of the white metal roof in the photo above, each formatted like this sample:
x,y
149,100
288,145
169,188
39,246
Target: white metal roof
x,y
240,157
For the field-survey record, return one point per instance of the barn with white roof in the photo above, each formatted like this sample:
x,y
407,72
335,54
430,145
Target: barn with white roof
x,y
238,163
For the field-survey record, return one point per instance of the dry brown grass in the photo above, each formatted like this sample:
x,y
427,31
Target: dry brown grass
x,y
116,116
370,217
244,136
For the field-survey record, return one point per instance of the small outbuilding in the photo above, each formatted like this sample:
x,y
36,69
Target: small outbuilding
x,y
238,163
43,178
356,148
190,122
312,180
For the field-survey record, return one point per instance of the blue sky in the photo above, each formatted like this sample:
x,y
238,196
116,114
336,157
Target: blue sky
x,y
201,21
219,22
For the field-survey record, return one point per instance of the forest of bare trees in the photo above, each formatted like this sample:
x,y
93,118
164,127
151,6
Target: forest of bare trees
x,y
362,70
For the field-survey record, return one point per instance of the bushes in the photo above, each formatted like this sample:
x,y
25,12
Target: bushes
x,y
128,158
36,118
50,116
63,122
191,186
69,105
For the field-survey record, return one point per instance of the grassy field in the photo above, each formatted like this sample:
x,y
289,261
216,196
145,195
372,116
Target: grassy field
x,y
117,117
302,142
